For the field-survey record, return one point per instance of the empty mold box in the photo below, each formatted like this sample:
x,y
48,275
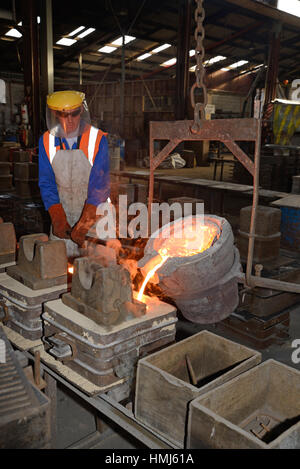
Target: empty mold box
x,y
258,409
165,379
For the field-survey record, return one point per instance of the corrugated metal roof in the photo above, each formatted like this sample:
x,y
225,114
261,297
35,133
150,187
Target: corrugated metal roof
x,y
230,30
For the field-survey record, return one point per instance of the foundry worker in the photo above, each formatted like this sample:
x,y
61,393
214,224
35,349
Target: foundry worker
x,y
73,168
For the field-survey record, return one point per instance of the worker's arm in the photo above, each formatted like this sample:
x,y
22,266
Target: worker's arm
x,y
99,182
47,182
50,197
98,192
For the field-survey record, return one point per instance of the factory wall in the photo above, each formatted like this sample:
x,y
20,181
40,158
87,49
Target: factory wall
x,y
229,104
152,100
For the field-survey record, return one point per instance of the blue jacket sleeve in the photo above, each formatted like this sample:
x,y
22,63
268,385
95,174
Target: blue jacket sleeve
x,y
47,182
99,182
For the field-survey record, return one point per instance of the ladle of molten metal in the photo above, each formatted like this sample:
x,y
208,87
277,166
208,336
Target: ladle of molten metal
x,y
194,242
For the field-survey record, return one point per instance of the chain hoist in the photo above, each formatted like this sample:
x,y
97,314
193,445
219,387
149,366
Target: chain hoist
x,y
199,108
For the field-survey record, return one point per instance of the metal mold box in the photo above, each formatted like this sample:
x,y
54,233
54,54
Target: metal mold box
x,y
164,387
259,409
104,354
21,307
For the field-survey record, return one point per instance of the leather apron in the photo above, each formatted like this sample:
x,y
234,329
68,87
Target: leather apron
x,y
72,172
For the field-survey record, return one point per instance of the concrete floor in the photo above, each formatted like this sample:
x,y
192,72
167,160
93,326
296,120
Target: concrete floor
x,y
77,427
203,172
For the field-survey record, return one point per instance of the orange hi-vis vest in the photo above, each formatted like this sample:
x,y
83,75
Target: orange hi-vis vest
x,y
89,143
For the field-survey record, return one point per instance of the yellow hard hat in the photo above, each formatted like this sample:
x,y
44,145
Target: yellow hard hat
x,y
65,100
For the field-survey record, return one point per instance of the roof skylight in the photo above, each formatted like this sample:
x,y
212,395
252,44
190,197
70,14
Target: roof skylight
x,y
107,49
238,64
65,41
214,60
85,33
13,33
160,48
73,33
152,52
119,41
170,62
144,56
289,6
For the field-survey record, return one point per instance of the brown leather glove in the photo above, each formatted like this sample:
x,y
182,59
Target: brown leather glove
x,y
60,225
85,222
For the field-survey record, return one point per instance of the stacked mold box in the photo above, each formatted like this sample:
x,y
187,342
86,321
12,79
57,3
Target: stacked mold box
x,y
278,165
33,218
267,233
8,244
5,176
260,331
39,275
134,192
25,175
296,185
290,217
6,179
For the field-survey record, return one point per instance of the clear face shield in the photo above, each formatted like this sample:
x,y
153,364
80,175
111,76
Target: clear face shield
x,y
68,123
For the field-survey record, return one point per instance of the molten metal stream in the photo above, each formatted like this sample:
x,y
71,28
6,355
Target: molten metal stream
x,y
150,275
194,243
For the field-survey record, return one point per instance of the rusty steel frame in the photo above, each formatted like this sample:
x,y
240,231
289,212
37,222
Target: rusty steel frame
x,y
229,132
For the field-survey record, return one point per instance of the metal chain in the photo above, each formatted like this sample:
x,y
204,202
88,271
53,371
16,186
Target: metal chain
x,y
199,108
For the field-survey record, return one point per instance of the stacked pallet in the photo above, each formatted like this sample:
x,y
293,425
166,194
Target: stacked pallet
x,y
296,185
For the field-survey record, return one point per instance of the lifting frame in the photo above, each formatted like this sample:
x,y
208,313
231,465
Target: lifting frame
x,y
227,131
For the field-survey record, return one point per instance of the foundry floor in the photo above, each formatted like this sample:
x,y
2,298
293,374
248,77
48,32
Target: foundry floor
x,y
77,421
203,172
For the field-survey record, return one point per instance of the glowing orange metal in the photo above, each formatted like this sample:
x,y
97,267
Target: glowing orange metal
x,y
194,243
